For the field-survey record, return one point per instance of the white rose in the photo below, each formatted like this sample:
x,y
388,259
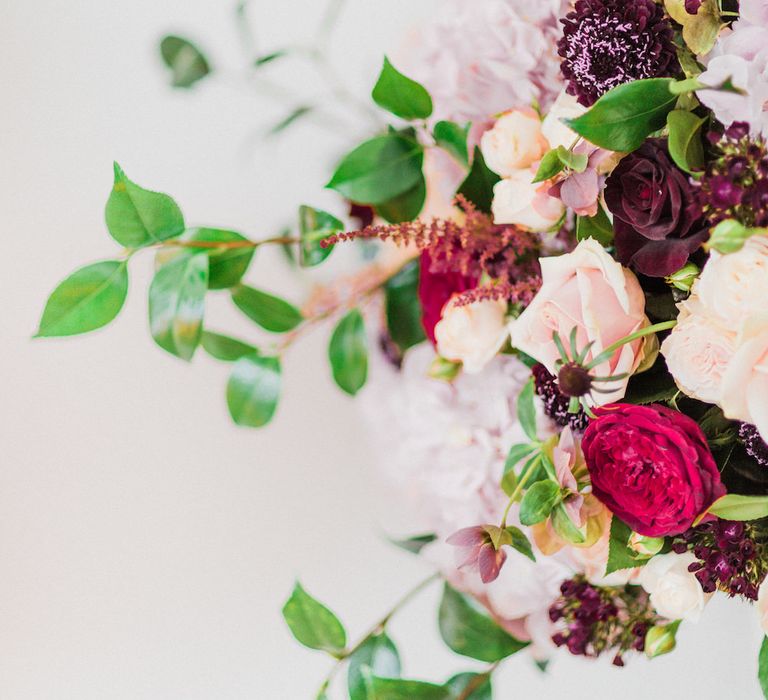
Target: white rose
x,y
516,200
762,605
473,333
514,142
555,131
734,287
675,592
698,352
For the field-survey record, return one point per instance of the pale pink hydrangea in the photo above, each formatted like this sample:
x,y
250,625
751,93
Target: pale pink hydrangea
x,y
481,58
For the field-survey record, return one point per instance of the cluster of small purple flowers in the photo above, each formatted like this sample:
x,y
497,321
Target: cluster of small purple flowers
x,y
599,619
731,556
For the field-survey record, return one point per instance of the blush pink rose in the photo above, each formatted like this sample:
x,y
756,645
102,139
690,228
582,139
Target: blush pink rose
x,y
589,291
651,466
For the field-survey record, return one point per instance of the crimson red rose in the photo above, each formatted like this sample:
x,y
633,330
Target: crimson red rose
x,y
435,289
651,466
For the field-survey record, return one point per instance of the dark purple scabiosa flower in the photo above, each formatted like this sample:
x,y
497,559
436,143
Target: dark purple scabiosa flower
x,y
754,443
657,218
732,556
609,42
735,185
555,402
598,619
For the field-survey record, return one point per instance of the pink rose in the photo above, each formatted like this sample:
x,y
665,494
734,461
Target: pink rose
x,y
745,383
587,290
651,466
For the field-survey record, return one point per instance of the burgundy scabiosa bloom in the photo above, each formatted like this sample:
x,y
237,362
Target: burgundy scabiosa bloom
x,y
651,466
657,215
753,443
555,402
735,185
609,42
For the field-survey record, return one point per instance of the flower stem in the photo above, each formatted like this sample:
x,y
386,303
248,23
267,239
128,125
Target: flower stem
x,y
648,330
379,627
523,479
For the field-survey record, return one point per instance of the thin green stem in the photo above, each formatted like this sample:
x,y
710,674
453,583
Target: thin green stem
x,y
648,330
531,467
379,627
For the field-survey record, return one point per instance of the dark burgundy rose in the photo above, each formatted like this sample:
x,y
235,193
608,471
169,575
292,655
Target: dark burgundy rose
x,y
435,289
657,218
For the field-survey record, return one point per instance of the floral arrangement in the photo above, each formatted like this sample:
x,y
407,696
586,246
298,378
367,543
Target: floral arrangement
x,y
563,321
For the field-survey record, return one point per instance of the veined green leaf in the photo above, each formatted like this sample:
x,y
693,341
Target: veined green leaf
x,y
685,145
314,226
270,312
400,95
479,183
226,266
538,502
314,625
453,138
224,348
348,353
378,655
253,390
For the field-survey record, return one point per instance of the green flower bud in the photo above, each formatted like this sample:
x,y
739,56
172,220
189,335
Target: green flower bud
x,y
660,640
684,278
647,546
729,236
445,370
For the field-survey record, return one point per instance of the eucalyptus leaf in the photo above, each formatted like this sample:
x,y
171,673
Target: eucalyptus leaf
x,y
538,502
400,95
379,170
479,183
685,144
452,137
314,625
224,348
88,299
380,656
177,303
226,266
314,226
137,217
253,390
270,312
348,353
625,116
186,62
468,630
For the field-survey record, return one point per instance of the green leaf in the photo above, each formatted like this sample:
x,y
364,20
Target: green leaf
x,y
573,161
137,217
186,61
736,507
538,502
380,656
226,266
403,308
289,119
270,312
729,236
400,95
651,386
224,348
478,185
598,227
397,689
406,206
414,545
177,304
269,57
379,170
520,542
88,299
625,116
620,556
481,685
469,631
314,226
253,390
762,667
314,625
348,353
526,409
565,528
516,454
550,165
685,145
700,30
452,137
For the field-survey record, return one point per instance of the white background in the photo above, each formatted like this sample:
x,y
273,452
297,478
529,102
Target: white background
x,y
146,544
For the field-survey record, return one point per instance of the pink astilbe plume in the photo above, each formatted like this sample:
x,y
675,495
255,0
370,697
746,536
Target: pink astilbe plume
x,y
475,248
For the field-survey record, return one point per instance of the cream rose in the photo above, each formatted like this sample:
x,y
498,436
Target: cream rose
x,y
555,131
473,333
675,592
734,287
698,352
589,291
744,394
514,142
517,200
